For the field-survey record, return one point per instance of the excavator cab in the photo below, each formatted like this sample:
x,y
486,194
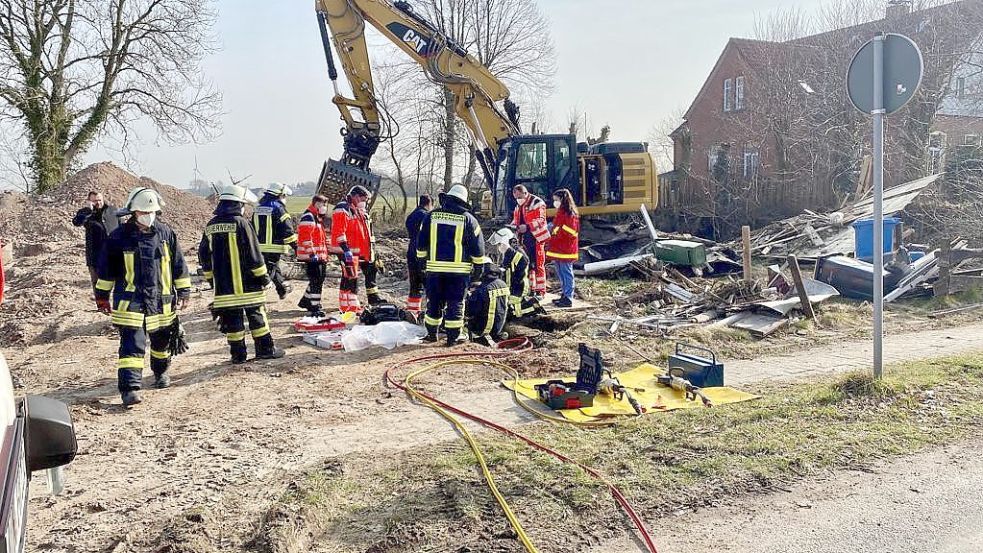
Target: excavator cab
x,y
542,163
604,179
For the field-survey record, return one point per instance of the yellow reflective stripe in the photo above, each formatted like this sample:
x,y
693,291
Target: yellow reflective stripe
x,y
459,243
284,217
373,290
130,363
130,271
260,332
156,322
420,254
209,275
160,354
454,324
290,239
448,267
236,336
239,300
432,321
492,308
433,241
166,277
234,261
124,306
269,228
481,260
570,230
182,283
273,248
104,285
555,255
260,271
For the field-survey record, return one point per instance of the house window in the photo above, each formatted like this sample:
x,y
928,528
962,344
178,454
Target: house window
x,y
971,140
739,94
728,91
961,87
752,160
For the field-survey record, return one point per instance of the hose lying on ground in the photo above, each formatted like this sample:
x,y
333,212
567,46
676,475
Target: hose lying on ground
x,y
447,411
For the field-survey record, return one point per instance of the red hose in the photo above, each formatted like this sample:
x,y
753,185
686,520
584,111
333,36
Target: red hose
x,y
523,344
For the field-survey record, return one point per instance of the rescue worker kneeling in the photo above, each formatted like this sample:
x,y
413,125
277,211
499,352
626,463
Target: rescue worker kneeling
x,y
452,251
515,267
142,265
230,258
488,307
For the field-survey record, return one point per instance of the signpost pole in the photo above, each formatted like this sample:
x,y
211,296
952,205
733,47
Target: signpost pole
x,y
878,146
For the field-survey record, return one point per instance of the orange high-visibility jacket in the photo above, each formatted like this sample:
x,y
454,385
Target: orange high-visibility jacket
x,y
564,245
311,238
349,225
532,214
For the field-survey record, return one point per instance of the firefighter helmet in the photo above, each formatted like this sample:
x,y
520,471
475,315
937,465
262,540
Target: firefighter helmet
x,y
236,193
279,189
457,191
501,236
144,199
358,191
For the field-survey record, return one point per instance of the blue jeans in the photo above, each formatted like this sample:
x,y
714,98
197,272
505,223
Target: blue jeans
x,y
565,271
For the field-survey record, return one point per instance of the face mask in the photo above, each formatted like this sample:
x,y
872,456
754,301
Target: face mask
x,y
322,209
147,219
557,204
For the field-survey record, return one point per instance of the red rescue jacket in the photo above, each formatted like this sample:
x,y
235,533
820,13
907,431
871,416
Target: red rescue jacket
x,y
532,214
349,225
564,245
311,239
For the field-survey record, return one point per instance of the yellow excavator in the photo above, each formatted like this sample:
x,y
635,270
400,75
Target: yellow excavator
x,y
605,178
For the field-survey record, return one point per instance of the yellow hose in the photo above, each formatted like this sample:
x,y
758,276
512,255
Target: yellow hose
x,y
489,479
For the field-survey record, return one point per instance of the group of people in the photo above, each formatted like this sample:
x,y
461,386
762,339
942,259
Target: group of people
x,y
141,279
447,261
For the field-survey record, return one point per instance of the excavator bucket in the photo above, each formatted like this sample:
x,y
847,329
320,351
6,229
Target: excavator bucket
x,y
337,178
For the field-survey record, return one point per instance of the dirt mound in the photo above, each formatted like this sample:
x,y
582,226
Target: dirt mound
x,y
47,283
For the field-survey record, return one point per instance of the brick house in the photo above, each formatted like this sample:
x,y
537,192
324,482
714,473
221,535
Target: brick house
x,y
772,132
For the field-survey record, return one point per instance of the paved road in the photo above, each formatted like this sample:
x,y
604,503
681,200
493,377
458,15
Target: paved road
x,y
928,503
851,355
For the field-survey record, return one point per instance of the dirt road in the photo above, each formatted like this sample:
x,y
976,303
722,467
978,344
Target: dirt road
x,y
194,467
928,503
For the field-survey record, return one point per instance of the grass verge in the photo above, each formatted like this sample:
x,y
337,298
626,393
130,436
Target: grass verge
x,y
435,500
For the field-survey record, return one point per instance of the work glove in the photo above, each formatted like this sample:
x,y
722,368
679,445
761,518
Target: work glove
x,y
178,343
349,258
103,305
380,266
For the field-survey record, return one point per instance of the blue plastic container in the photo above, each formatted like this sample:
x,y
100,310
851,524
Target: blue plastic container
x,y
864,235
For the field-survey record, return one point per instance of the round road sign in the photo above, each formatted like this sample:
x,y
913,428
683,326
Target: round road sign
x,y
903,68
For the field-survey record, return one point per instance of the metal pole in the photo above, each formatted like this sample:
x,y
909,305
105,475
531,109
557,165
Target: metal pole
x,y
878,146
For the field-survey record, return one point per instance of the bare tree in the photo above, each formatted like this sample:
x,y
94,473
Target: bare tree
x,y
72,70
509,37
661,145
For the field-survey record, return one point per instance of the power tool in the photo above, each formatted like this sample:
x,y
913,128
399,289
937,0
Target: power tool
x,y
679,383
611,386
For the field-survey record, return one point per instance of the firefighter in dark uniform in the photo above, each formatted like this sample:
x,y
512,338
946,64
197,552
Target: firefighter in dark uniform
x,y
230,258
417,275
275,231
515,265
487,307
453,251
142,265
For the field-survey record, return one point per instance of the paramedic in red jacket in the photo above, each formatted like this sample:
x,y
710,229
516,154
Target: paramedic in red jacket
x,y
312,250
529,220
352,241
564,246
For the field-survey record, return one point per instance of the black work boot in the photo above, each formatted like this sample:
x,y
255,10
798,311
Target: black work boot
x,y
265,349
130,398
454,337
304,303
162,381
238,351
431,337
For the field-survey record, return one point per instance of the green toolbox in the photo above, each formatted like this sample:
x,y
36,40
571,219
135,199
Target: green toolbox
x,y
681,252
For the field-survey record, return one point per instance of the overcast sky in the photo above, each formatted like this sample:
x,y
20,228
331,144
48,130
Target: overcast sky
x,y
628,63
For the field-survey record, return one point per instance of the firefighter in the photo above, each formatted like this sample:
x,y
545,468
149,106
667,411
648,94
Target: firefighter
x,y
417,275
275,230
487,307
515,267
352,241
529,220
142,265
230,258
452,250
312,249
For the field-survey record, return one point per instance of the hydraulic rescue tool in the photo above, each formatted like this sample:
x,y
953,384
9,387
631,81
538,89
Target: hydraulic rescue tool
x,y
681,384
606,178
592,379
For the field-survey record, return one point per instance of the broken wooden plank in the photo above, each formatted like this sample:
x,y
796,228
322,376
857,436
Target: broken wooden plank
x,y
746,257
793,267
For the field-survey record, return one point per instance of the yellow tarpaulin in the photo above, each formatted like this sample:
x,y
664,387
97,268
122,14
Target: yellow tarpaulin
x,y
654,398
